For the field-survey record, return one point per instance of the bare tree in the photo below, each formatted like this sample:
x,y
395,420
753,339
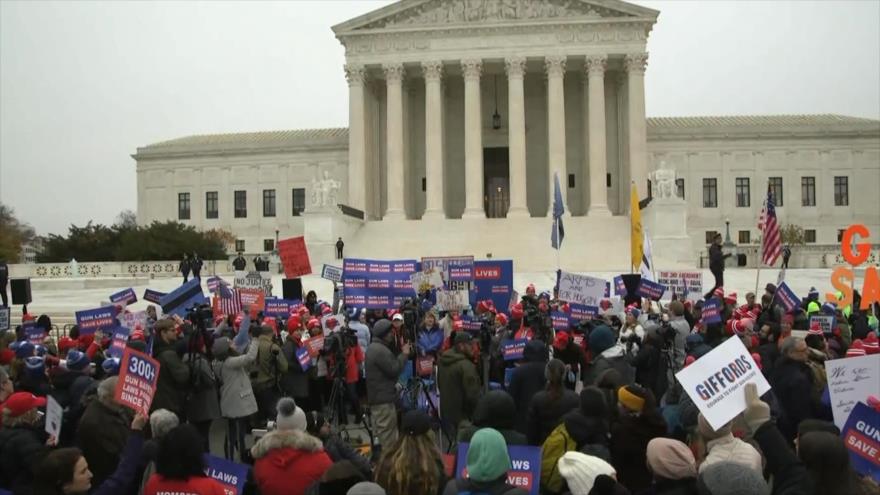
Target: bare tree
x,y
126,219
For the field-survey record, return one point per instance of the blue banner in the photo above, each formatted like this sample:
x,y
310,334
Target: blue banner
x,y
91,320
580,312
493,279
513,349
560,320
231,475
786,297
711,312
118,342
126,296
280,307
153,296
376,283
183,298
470,323
861,435
619,286
305,361
651,290
525,469
34,334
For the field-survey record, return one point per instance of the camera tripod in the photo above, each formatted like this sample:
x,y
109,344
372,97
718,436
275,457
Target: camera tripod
x,y
335,408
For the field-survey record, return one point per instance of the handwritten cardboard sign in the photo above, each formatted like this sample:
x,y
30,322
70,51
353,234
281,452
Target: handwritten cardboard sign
x,y
138,376
682,283
850,381
294,257
716,381
452,300
581,289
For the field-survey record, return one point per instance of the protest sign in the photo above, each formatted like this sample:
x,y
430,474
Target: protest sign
x,y
861,435
231,475
4,319
822,322
423,282
294,257
54,413
786,297
525,461
254,280
332,273
581,289
126,297
280,307
681,283
255,299
305,360
425,365
377,284
619,287
513,349
134,320
716,382
315,345
470,323
493,279
118,342
34,334
181,299
579,312
651,290
91,320
559,320
508,374
850,381
452,300
138,374
451,268
153,296
712,312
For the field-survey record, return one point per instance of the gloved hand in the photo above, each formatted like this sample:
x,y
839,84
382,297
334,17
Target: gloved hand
x,y
757,411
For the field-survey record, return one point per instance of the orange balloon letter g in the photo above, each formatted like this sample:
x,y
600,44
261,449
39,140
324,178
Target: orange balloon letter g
x,y
863,249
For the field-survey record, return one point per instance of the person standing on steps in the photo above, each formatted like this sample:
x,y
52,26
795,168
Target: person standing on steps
x,y
196,265
786,255
716,263
239,263
339,246
185,267
4,280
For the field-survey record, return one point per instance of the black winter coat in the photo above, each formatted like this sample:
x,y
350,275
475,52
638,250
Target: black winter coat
x,y
650,368
102,434
790,476
495,410
527,380
793,383
173,379
21,450
545,414
629,444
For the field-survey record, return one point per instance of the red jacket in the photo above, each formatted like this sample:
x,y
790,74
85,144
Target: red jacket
x,y
288,462
196,485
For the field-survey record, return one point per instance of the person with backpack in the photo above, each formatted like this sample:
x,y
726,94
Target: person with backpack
x,y
487,465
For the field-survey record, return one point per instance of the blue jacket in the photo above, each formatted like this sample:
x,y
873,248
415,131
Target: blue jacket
x,y
430,339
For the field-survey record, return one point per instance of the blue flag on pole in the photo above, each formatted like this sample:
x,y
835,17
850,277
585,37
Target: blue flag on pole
x,y
558,233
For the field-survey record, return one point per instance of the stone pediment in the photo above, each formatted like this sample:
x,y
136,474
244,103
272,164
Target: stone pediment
x,y
436,13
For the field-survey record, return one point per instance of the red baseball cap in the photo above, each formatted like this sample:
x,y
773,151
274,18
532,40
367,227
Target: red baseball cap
x,y
22,402
561,341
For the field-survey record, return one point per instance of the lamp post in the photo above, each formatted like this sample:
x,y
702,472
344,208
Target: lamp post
x,y
729,247
275,251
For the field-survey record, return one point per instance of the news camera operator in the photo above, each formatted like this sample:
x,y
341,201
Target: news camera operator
x,y
266,372
536,318
383,367
344,362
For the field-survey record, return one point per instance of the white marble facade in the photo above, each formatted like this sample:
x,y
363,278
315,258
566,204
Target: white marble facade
x,y
566,79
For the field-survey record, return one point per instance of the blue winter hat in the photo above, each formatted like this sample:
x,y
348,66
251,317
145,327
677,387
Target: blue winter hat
x,y
25,349
35,365
813,293
111,366
40,350
77,360
829,309
601,339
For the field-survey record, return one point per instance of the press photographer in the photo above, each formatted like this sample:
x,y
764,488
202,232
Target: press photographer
x,y
344,358
266,372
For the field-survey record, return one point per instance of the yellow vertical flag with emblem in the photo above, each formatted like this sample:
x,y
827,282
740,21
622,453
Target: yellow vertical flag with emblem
x,y
635,217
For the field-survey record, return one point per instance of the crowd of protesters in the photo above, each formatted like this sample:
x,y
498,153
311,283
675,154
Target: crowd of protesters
x,y
600,398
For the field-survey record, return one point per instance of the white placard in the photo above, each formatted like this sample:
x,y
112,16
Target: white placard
x,y
4,319
424,281
332,273
682,283
581,289
716,382
851,380
452,300
54,413
254,280
134,320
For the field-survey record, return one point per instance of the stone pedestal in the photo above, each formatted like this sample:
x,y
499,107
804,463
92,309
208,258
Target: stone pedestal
x,y
666,220
322,227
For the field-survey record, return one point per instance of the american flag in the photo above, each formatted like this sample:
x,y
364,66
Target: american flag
x,y
771,245
215,283
227,304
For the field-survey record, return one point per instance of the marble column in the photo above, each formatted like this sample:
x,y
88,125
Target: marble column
x,y
473,141
433,72
516,68
598,168
357,157
555,67
394,136
637,126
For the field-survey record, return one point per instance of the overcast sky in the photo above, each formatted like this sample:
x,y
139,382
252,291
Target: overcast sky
x,y
83,84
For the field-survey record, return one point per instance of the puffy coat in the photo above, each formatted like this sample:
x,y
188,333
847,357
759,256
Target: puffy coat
x,y
382,370
545,413
612,358
495,410
173,379
236,395
102,434
629,444
527,380
287,462
21,450
793,383
731,449
202,402
459,386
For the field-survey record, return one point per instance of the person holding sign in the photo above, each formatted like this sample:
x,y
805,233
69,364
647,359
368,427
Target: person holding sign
x,y
237,402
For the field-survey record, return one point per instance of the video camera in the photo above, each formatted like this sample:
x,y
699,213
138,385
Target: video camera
x,y
202,315
539,322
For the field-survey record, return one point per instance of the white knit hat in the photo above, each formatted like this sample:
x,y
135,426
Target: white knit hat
x,y
580,470
290,417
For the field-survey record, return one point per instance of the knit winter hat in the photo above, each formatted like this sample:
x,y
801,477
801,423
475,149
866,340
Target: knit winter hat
x,y
366,488
381,328
706,430
730,298
35,366
290,417
110,366
77,361
856,349
731,478
24,350
580,470
487,458
629,399
671,459
220,348
871,343
601,339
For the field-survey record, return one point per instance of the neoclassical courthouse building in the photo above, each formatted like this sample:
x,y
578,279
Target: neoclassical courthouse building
x,y
461,112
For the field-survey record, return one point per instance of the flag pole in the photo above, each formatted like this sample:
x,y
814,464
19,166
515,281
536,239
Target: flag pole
x,y
558,243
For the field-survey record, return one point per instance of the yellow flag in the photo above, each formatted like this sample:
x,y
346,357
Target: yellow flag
x,y
635,217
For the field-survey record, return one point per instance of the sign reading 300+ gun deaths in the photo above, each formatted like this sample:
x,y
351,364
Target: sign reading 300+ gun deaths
x,y
581,289
138,375
716,381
